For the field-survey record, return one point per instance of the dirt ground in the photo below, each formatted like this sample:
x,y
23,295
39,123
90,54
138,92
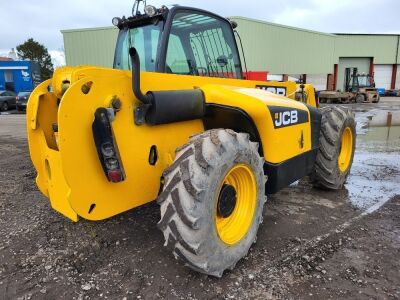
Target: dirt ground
x,y
313,244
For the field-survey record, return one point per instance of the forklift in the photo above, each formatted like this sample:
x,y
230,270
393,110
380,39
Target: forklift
x,y
359,88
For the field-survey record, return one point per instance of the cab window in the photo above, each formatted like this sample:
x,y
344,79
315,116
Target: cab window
x,y
202,45
176,58
145,39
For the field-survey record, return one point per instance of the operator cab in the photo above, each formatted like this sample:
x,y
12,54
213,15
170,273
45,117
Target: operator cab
x,y
365,80
354,81
178,40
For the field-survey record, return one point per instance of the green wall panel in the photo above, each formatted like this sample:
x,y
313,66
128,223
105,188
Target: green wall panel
x,y
285,50
93,46
270,47
381,47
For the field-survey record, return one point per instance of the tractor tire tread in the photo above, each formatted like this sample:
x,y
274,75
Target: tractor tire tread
x,y
183,200
326,173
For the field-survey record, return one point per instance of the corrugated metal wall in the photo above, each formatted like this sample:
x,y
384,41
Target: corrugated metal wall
x,y
93,46
285,50
268,47
381,47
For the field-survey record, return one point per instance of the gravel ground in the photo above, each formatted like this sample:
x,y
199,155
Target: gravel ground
x,y
312,244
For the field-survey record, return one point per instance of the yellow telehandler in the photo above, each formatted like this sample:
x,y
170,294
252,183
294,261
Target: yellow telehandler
x,y
176,121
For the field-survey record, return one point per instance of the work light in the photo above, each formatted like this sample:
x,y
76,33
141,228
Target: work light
x,y
116,21
150,10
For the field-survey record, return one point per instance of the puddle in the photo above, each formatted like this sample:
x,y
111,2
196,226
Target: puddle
x,y
379,139
381,118
376,118
375,174
378,130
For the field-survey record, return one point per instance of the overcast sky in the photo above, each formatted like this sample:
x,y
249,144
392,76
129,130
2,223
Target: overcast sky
x,y
43,19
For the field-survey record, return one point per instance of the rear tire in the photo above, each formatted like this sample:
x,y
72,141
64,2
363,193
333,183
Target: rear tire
x,y
336,148
191,194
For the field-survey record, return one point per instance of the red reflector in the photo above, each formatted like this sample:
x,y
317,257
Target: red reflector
x,y
114,176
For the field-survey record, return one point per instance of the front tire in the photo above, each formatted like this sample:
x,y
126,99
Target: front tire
x,y
360,98
212,200
336,148
345,100
4,106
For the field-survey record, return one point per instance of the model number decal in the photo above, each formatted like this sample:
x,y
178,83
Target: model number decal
x,y
286,116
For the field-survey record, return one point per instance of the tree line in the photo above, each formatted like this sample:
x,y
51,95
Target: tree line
x,y
34,51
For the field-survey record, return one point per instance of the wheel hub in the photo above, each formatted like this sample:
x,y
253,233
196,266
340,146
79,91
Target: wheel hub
x,y
346,150
226,201
236,204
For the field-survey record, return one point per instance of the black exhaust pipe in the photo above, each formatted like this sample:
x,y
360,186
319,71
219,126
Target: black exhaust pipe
x,y
164,107
145,99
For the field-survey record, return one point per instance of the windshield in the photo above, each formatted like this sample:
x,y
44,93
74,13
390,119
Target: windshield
x,y
364,81
198,44
201,45
145,39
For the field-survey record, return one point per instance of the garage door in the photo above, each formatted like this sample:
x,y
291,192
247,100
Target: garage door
x,y
398,77
361,63
383,76
318,81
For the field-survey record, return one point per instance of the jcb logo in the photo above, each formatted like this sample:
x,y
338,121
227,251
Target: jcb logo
x,y
286,118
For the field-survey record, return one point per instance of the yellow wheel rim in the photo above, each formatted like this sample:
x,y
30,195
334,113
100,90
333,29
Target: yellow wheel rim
x,y
346,150
233,228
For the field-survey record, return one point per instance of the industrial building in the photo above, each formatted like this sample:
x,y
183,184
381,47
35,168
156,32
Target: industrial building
x,y
19,76
283,51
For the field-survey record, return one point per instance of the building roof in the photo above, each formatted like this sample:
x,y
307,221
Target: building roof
x,y
385,34
281,26
89,29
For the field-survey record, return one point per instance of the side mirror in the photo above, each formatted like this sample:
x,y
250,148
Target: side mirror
x,y
222,61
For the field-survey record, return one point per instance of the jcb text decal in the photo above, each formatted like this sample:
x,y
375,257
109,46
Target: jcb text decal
x,y
286,116
279,90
